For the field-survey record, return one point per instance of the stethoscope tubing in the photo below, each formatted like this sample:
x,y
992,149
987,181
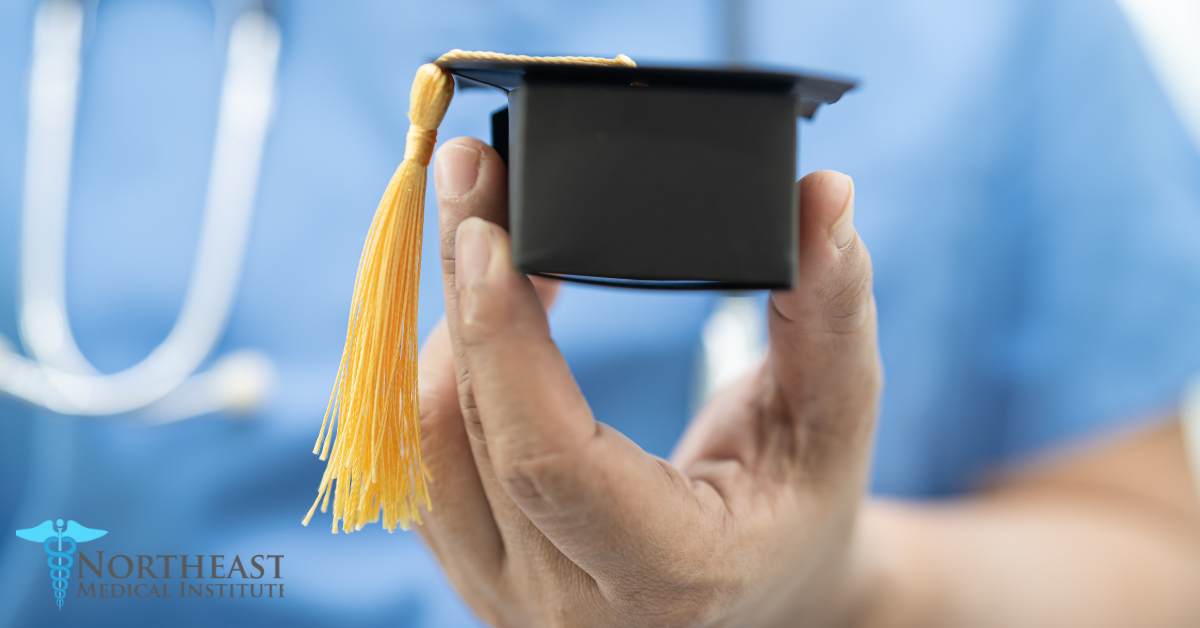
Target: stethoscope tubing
x,y
57,375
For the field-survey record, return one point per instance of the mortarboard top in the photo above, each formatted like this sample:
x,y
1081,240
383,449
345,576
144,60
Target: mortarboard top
x,y
810,90
653,177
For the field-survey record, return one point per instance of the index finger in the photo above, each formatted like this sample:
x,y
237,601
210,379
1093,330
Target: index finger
x,y
601,500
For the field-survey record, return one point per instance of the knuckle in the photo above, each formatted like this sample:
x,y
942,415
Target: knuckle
x,y
849,310
485,315
538,472
474,428
528,477
469,407
849,301
447,234
470,412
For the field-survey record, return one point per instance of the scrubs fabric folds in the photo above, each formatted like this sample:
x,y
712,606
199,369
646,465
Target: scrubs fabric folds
x,y
1031,202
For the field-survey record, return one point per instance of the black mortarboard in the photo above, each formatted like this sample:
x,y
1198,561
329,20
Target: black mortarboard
x,y
651,176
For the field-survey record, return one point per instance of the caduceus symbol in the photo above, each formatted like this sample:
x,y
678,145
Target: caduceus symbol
x,y
72,534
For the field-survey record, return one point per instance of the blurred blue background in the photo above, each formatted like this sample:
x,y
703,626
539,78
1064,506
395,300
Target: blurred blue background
x,y
1030,198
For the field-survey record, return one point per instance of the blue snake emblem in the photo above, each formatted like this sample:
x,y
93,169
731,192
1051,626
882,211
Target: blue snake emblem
x,y
59,560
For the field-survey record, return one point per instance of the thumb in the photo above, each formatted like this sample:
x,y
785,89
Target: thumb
x,y
823,351
833,286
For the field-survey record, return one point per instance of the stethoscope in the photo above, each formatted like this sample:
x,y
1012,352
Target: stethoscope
x,y
164,385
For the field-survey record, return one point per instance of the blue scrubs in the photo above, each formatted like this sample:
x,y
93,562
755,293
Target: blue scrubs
x,y
1030,200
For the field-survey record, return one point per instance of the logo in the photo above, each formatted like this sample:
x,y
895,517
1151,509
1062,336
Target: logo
x,y
143,576
49,532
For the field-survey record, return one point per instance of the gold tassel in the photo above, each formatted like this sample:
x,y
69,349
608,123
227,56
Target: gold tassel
x,y
375,466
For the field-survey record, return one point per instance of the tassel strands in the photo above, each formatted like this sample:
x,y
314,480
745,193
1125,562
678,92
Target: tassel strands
x,y
374,463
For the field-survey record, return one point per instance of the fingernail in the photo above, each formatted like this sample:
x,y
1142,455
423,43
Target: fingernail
x,y
473,251
456,170
842,230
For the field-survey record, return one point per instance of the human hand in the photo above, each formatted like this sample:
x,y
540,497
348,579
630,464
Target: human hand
x,y
544,517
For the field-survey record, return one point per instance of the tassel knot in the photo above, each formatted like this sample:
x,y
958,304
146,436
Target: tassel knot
x,y
419,146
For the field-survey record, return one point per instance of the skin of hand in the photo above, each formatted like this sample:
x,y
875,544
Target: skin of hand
x,y
1104,534
545,517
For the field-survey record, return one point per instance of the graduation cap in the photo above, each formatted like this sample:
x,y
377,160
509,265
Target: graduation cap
x,y
648,177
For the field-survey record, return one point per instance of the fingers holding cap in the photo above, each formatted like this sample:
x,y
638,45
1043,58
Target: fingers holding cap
x,y
471,181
